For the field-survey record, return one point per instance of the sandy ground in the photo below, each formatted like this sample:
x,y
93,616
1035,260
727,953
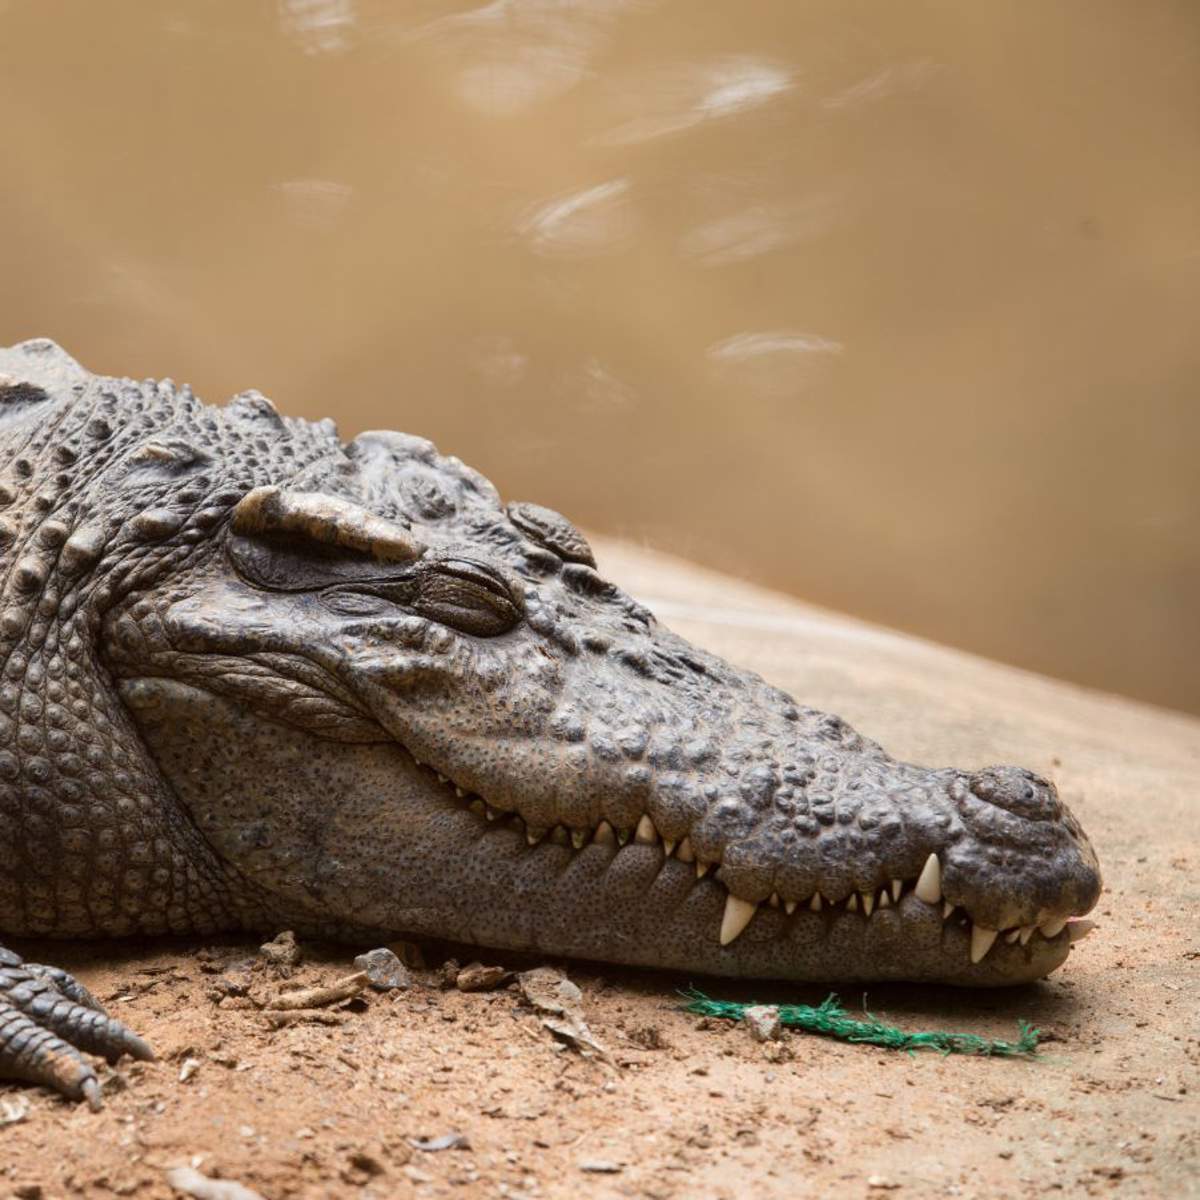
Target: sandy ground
x,y
689,1108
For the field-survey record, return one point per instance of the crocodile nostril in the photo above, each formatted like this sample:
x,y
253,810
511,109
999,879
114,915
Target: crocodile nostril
x,y
1017,791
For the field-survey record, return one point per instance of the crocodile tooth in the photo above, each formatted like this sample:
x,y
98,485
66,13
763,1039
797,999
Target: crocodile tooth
x,y
1078,930
668,847
646,834
441,777
578,837
490,812
605,834
947,909
1051,929
622,836
884,899
685,853
981,941
773,901
702,869
897,889
815,902
736,917
1026,932
459,792
852,903
789,907
534,835
1011,936
868,902
929,885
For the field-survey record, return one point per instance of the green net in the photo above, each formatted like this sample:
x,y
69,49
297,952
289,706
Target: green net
x,y
831,1020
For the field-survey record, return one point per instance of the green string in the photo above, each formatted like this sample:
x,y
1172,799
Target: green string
x,y
830,1019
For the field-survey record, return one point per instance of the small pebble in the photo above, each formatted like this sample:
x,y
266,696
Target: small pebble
x,y
763,1022
385,972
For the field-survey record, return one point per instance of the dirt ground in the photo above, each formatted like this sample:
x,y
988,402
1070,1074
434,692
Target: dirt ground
x,y
687,1107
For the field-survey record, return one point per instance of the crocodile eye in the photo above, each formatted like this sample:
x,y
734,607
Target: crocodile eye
x,y
467,596
552,530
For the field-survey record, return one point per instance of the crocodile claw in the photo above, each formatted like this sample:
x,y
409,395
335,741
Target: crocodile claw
x,y
48,1022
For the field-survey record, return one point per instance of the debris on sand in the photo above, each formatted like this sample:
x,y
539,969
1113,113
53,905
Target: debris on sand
x,y
191,1183
475,977
317,997
384,971
13,1111
447,1141
763,1022
281,954
303,1016
600,1166
550,991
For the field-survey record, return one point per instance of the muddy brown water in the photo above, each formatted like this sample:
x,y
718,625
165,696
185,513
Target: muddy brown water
x,y
892,306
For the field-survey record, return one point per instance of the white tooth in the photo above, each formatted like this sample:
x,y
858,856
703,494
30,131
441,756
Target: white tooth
x,y
735,918
646,834
533,836
442,778
815,902
1051,929
702,869
929,885
897,889
459,792
981,942
490,812
685,852
868,902
1011,936
774,900
605,835
852,903
789,907
1078,930
947,909
1026,932
884,899
578,837
668,847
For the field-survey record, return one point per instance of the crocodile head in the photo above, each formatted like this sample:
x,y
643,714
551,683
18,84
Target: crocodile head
x,y
391,703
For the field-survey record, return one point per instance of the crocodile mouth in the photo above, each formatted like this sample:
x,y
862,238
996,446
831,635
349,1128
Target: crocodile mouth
x,y
738,914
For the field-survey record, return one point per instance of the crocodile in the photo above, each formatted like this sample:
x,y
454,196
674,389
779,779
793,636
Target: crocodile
x,y
255,677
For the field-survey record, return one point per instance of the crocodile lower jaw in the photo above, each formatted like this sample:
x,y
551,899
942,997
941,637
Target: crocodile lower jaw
x,y
738,912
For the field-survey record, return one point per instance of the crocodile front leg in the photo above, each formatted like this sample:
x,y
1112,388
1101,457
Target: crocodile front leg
x,y
48,1021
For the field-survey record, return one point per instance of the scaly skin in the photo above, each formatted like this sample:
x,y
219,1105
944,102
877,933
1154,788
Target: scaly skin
x,y
255,677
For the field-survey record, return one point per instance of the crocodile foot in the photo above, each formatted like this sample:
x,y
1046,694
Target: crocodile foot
x,y
48,1021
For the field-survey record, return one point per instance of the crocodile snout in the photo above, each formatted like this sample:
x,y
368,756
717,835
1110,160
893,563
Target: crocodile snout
x,y
1017,791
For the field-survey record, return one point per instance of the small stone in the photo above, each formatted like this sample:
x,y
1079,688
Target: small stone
x,y
880,1183
447,1141
385,972
282,953
475,977
763,1022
